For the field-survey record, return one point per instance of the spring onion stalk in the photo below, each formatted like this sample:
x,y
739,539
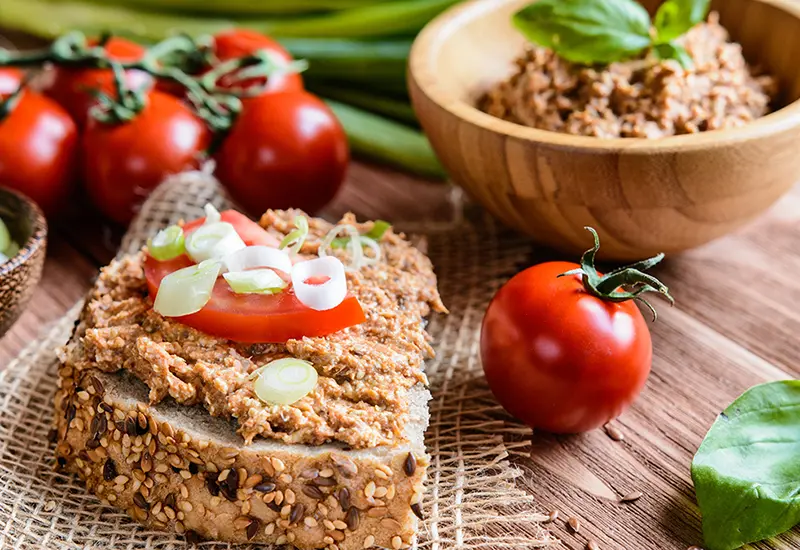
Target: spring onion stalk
x,y
388,107
387,141
257,256
295,240
187,290
5,236
255,281
212,214
355,60
320,296
168,243
213,241
355,243
285,381
248,7
50,19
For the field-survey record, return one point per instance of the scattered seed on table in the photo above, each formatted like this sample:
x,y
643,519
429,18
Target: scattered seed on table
x,y
592,545
614,433
574,524
553,516
693,547
632,497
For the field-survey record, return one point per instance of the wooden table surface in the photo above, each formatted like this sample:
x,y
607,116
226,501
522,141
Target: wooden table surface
x,y
735,325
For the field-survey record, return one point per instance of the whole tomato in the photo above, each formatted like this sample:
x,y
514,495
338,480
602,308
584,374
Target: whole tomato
x,y
72,88
123,162
284,151
559,357
237,43
38,147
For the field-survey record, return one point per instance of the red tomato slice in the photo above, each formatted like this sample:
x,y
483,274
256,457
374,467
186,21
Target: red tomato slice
x,y
250,232
254,318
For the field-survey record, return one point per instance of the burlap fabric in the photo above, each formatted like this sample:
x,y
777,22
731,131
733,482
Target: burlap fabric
x,y
472,500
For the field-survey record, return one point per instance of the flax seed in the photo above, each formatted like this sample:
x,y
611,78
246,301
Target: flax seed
x,y
265,487
410,465
352,518
298,510
252,528
417,509
324,482
313,491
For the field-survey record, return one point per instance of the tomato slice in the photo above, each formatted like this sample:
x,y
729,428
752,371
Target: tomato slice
x,y
254,318
250,232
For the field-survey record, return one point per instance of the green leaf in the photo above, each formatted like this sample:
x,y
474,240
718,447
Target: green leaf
x,y
674,51
379,227
587,31
747,471
675,17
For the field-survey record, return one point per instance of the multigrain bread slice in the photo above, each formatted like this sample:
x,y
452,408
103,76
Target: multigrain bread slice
x,y
163,421
174,467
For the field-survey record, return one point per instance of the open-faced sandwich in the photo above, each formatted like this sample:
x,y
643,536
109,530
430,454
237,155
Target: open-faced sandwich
x,y
244,382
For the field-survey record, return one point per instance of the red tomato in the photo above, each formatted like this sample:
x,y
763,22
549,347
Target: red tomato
x,y
250,232
72,88
38,149
123,162
254,318
284,151
243,42
10,80
558,358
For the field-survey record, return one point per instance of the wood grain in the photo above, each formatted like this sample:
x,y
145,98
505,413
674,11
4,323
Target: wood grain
x,y
644,196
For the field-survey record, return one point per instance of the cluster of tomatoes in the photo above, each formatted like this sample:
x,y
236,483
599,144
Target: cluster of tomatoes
x,y
284,149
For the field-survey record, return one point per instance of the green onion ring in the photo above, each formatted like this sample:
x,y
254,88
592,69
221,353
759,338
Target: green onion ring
x,y
168,243
297,237
285,381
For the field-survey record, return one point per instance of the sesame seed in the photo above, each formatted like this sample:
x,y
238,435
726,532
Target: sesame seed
x,y
574,524
397,542
285,478
632,497
552,516
290,536
286,510
339,524
278,497
328,525
592,545
322,509
119,480
369,542
169,512
327,472
242,522
391,524
281,540
614,433
252,481
223,475
310,522
50,505
269,529
390,492
327,539
185,474
369,490
185,506
380,492
377,512
289,496
214,501
278,464
338,536
309,473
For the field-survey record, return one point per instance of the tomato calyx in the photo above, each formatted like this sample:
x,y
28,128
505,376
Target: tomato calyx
x,y
9,102
626,283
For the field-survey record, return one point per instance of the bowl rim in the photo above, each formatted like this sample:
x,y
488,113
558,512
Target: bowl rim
x,y
34,242
445,24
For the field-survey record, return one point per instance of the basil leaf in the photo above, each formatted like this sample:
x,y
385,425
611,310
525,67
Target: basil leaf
x,y
379,227
587,31
676,17
747,471
674,51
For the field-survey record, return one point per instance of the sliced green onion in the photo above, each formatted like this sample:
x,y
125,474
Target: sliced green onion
x,y
296,238
212,214
213,241
255,281
187,290
168,243
11,250
355,242
5,236
285,381
379,227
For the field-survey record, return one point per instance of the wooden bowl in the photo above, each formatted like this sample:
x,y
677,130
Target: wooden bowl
x,y
643,196
20,274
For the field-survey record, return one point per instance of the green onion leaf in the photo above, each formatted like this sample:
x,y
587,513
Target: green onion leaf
x,y
379,227
285,381
187,290
213,241
5,236
168,243
11,250
255,281
296,238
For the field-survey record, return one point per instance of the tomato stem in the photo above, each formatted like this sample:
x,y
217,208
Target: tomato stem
x,y
622,284
174,59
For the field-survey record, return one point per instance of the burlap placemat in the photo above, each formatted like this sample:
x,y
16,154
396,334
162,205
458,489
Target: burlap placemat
x,y
472,501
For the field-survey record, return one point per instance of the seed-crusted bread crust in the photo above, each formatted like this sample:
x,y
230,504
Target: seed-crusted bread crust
x,y
172,467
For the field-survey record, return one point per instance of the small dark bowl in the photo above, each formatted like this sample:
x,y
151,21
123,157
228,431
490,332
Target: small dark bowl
x,y
20,274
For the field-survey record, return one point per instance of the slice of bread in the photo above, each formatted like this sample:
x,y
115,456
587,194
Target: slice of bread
x,y
175,467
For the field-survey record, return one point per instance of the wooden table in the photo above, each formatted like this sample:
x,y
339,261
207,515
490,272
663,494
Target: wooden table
x,y
735,325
